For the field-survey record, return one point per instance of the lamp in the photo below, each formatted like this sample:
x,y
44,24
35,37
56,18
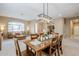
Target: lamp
x,y
28,30
44,17
2,27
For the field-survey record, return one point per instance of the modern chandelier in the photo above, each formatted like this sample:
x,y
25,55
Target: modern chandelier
x,y
45,17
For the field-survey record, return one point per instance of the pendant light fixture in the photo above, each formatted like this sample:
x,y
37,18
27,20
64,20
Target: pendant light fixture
x,y
44,16
43,13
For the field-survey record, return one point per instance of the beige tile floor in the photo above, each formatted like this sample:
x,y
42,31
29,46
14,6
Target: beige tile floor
x,y
70,47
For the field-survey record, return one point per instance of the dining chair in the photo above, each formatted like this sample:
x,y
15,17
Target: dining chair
x,y
34,36
41,33
56,37
60,44
56,40
53,46
52,49
23,53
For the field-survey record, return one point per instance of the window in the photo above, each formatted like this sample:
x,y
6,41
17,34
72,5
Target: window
x,y
15,27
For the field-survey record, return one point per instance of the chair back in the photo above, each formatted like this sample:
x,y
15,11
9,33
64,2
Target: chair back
x,y
54,41
61,37
60,40
53,46
34,36
17,47
40,34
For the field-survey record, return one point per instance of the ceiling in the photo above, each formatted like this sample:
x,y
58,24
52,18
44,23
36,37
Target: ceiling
x,y
30,11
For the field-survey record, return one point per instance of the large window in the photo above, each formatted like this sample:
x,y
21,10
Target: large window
x,y
15,27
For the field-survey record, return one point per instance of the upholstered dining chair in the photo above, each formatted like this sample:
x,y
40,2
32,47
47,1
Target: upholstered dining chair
x,y
23,53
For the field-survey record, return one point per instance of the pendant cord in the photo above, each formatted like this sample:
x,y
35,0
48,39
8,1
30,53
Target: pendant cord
x,y
47,10
43,9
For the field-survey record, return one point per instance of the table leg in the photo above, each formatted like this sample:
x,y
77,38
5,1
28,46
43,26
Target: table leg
x,y
38,53
26,49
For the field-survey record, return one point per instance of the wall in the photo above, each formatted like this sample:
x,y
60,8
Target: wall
x,y
5,20
59,25
76,29
69,27
59,22
26,23
31,24
32,27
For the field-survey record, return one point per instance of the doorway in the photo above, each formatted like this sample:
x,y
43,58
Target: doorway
x,y
75,28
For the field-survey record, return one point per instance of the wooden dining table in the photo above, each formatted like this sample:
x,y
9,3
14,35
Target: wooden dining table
x,y
37,47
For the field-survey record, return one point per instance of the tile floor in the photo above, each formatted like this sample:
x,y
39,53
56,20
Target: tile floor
x,y
70,47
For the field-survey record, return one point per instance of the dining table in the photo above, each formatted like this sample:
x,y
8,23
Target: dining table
x,y
37,45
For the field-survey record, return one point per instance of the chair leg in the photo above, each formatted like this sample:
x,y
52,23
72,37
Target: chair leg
x,y
27,48
58,52
55,54
61,50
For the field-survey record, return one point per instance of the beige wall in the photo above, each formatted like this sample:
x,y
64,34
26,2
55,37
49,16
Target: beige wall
x,y
76,29
59,25
26,23
31,24
67,28
5,20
